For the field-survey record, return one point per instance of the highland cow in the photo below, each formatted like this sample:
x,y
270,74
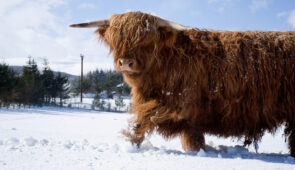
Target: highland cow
x,y
189,82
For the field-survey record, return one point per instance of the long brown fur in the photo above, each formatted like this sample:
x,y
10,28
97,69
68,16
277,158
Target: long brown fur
x,y
195,82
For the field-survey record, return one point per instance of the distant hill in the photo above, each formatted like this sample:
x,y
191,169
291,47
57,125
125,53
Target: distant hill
x,y
70,76
19,70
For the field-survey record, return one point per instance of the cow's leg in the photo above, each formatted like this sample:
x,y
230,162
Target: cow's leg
x,y
135,135
291,141
138,135
192,141
290,132
137,140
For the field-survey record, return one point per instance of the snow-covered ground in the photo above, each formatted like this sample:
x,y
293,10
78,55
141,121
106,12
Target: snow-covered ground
x,y
58,138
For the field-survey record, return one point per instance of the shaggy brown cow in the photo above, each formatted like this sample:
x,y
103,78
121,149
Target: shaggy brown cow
x,y
191,82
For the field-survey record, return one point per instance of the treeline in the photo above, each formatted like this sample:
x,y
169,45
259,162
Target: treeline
x,y
99,81
32,88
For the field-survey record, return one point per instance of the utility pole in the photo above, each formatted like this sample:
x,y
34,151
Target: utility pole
x,y
81,79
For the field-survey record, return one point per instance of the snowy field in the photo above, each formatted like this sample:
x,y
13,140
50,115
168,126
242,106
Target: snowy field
x,y
69,139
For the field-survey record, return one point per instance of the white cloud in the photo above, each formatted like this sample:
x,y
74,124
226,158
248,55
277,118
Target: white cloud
x,y
259,4
31,28
6,5
220,5
291,19
86,5
282,14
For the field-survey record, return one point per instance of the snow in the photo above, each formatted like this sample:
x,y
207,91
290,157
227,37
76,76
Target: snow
x,y
60,138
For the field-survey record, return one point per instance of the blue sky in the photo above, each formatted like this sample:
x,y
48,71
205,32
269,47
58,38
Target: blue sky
x,y
210,14
40,27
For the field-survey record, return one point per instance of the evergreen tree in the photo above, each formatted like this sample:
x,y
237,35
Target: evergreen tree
x,y
48,82
75,86
7,85
100,80
62,87
18,91
119,102
126,89
99,87
113,80
98,102
32,91
108,106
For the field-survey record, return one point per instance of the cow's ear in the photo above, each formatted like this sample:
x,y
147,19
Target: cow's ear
x,y
167,35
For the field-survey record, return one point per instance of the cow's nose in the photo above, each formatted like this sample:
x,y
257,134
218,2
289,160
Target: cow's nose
x,y
126,64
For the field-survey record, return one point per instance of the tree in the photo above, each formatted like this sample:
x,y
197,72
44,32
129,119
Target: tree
x,y
75,87
62,87
98,102
18,96
119,102
48,84
32,91
7,85
99,87
112,81
31,87
126,89
100,80
108,106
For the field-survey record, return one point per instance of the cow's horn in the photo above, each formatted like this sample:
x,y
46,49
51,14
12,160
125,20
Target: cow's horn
x,y
105,22
166,23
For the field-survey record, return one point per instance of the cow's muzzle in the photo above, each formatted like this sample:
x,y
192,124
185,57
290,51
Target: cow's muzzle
x,y
128,65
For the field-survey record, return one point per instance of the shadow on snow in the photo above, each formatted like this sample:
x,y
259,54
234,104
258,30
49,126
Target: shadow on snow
x,y
225,152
